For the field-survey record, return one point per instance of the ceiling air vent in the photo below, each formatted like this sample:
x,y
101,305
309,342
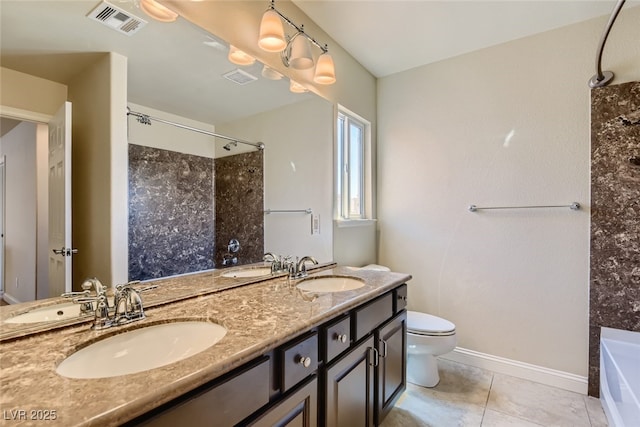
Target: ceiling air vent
x,y
240,77
116,18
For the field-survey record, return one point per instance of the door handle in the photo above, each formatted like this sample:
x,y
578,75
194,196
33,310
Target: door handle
x,y
65,251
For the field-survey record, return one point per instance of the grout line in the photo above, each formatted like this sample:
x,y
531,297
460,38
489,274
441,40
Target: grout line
x,y
484,411
584,401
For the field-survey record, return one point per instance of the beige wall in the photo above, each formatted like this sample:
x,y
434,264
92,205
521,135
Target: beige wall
x,y
99,166
25,92
167,137
507,125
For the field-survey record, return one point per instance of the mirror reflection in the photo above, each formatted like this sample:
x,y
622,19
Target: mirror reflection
x,y
177,72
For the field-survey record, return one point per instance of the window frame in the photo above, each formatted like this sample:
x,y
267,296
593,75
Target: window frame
x,y
345,119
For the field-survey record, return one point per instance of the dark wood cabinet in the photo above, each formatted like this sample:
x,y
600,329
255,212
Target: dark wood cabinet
x,y
299,409
348,372
391,372
349,388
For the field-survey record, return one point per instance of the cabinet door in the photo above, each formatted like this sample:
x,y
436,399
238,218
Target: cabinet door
x,y
300,409
349,388
391,372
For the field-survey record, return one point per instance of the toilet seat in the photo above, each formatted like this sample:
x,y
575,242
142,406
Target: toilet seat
x,y
428,325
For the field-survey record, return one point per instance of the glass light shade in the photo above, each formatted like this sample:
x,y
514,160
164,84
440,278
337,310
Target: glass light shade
x,y
296,87
270,73
239,57
325,70
271,32
158,11
300,58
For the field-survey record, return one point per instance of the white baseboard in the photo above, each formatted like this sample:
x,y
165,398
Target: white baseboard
x,y
8,298
514,368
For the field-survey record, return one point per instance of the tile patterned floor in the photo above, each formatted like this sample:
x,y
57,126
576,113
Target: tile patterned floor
x,y
472,397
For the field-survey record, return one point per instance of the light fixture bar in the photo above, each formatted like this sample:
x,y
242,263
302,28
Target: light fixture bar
x,y
300,29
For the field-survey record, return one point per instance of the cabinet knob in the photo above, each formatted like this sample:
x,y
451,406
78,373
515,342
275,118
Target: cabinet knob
x,y
341,337
305,361
402,297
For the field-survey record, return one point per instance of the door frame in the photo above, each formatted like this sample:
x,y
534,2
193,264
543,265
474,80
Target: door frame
x,y
25,116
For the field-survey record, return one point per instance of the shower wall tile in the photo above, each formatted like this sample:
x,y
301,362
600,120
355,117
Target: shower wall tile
x,y
171,213
615,215
239,206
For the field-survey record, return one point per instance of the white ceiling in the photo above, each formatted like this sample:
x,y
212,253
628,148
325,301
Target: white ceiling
x,y
389,36
170,69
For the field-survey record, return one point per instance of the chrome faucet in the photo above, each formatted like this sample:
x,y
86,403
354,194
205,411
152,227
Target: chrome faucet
x,y
279,263
127,305
301,268
87,285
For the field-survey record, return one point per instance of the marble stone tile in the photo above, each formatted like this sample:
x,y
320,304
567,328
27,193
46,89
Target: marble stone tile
x,y
498,419
239,206
615,215
537,403
171,222
595,412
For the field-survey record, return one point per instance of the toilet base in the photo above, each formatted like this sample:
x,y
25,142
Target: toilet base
x,y
422,370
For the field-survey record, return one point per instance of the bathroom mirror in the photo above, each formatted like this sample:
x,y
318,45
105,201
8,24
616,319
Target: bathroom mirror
x,y
173,68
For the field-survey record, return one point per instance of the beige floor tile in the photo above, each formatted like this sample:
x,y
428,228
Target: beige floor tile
x,y
461,383
419,408
498,419
537,403
595,412
458,400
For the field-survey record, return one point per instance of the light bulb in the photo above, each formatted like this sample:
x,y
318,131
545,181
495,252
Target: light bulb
x,y
239,57
271,32
157,11
325,70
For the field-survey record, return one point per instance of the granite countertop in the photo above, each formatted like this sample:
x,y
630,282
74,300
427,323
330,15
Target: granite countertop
x,y
258,317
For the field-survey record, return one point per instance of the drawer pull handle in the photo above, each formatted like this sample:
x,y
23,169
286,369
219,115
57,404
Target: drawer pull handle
x,y
383,353
305,361
341,337
375,359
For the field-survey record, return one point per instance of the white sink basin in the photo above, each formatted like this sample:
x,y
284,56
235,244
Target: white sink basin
x,y
62,311
141,349
248,272
330,284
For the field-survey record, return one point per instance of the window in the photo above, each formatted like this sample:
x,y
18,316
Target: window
x,y
352,166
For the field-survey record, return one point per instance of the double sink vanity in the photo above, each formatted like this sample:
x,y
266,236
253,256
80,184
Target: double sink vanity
x,y
226,347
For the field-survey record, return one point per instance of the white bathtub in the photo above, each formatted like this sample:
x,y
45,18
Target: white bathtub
x,y
620,376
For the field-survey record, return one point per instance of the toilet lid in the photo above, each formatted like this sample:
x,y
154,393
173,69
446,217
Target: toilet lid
x,y
423,323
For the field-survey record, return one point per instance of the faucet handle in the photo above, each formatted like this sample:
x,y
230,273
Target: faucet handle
x,y
85,293
128,285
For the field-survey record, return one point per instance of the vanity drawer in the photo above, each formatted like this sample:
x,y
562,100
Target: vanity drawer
x,y
367,318
400,299
225,404
299,359
337,337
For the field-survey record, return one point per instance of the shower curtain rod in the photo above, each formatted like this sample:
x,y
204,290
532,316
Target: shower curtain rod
x,y
146,119
603,78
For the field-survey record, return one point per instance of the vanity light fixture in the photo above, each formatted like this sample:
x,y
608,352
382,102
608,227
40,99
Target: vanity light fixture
x,y
239,57
296,87
295,50
270,73
157,11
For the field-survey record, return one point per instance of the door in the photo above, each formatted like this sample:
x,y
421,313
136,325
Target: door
x,y
300,409
60,201
349,388
391,375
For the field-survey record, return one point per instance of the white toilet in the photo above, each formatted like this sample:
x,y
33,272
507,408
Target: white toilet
x,y
427,337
